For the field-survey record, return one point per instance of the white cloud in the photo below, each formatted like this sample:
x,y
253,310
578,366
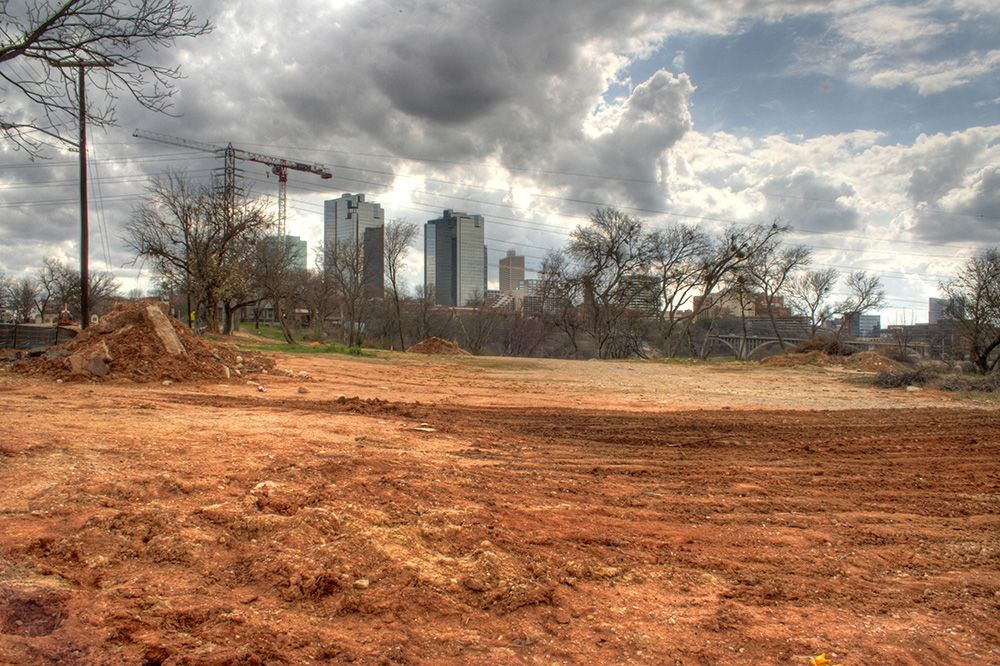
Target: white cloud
x,y
927,78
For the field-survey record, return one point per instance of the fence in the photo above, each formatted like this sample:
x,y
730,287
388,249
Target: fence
x,y
29,336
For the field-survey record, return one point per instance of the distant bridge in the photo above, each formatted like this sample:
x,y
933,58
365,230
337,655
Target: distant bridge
x,y
744,347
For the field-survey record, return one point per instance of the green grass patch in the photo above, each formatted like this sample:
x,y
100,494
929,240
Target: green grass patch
x,y
332,348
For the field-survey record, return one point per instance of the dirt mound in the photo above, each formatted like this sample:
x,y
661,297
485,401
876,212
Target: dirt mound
x,y
872,362
137,341
435,345
867,361
795,360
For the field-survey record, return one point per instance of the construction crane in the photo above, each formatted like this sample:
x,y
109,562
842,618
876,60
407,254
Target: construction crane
x,y
279,166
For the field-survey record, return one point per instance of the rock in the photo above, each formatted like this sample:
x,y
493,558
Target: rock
x,y
164,331
77,364
361,584
167,382
303,389
475,584
97,366
913,389
226,371
55,354
264,488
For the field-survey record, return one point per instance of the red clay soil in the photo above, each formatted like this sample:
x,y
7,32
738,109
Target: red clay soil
x,y
127,341
226,526
435,345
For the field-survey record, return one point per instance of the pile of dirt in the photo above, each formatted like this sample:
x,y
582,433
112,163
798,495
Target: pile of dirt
x,y
863,361
872,362
433,345
795,360
138,341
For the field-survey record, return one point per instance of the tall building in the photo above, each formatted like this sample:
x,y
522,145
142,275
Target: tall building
x,y
298,248
937,310
351,219
511,272
430,258
864,326
374,262
455,258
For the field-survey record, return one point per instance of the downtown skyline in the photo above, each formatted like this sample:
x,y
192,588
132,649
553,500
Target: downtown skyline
x,y
872,128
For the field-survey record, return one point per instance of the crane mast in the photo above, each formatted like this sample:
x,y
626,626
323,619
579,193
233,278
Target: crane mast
x,y
279,167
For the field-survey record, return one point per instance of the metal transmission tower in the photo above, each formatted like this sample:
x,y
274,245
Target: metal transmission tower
x,y
279,166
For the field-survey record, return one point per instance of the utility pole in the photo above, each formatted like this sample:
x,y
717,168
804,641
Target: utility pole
x,y
81,68
84,227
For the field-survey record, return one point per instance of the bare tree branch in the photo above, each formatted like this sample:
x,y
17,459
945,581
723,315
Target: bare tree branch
x,y
42,43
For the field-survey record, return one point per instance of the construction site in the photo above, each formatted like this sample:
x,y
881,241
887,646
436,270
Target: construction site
x,y
170,499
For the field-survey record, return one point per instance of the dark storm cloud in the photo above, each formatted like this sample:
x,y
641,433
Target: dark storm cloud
x,y
451,81
970,213
810,200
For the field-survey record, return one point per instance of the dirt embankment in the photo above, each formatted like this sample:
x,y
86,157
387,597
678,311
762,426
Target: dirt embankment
x,y
139,342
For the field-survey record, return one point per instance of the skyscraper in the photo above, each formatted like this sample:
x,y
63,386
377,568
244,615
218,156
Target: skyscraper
x,y
455,260
351,219
511,272
298,250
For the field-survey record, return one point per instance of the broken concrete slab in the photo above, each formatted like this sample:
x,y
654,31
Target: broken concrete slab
x,y
164,331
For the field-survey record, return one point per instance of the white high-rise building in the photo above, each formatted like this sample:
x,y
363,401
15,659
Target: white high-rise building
x,y
346,218
351,219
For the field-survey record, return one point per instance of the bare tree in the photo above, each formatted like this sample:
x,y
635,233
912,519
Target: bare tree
x,y
23,299
59,285
424,318
865,293
478,324
723,264
45,42
770,269
5,285
678,256
197,240
974,307
399,236
559,296
612,255
810,294
345,262
320,296
274,275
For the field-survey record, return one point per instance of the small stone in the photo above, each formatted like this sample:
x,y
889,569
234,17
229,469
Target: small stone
x,y
562,617
239,360
475,584
303,389
361,584
59,381
167,382
913,389
226,371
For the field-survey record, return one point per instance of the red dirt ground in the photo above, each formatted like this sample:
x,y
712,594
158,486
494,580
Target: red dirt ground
x,y
466,510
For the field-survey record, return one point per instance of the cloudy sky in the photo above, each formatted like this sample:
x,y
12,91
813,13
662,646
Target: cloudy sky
x,y
872,128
